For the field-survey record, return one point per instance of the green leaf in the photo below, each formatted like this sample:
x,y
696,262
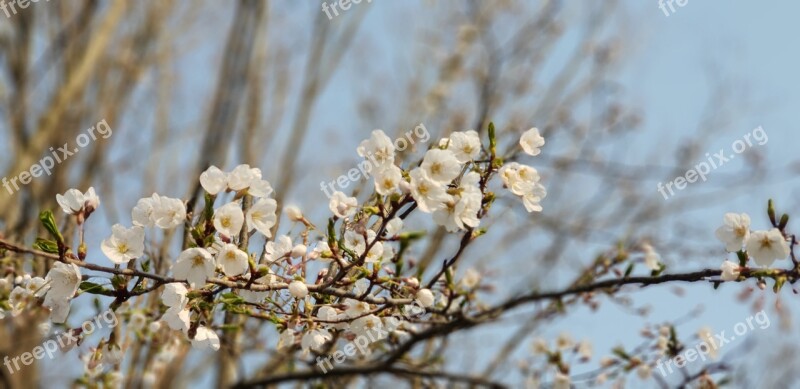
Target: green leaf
x,y
92,288
46,245
49,223
492,139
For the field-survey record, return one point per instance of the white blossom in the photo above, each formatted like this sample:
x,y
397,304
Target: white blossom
x,y
168,212
425,297
298,250
651,258
293,213
298,289
242,176
466,146
287,339
734,231
365,325
429,194
341,205
174,295
356,308
158,211
214,180
314,340
228,219
195,265
441,166
74,201
767,246
730,271
394,226
232,260
322,252
378,147
531,141
124,244
63,280
278,249
205,338
471,279
643,371
561,381
177,318
387,179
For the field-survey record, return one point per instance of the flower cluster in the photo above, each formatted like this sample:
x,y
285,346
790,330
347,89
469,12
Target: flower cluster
x,y
355,278
764,247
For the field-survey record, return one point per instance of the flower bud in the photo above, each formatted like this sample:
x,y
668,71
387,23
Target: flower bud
x,y
298,251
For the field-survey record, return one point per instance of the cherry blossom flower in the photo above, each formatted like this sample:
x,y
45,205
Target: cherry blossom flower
x,y
366,325
158,211
466,146
287,339
142,213
63,279
214,180
585,350
314,340
643,371
561,381
261,216
651,258
232,260
531,141
394,226
278,249
228,219
735,231
425,298
533,199
539,346
767,246
341,205
564,341
441,166
470,279
293,213
378,147
387,179
59,307
730,271
356,308
205,338
321,252
167,212
242,176
174,295
429,194
177,318
195,265
124,245
74,201
298,289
